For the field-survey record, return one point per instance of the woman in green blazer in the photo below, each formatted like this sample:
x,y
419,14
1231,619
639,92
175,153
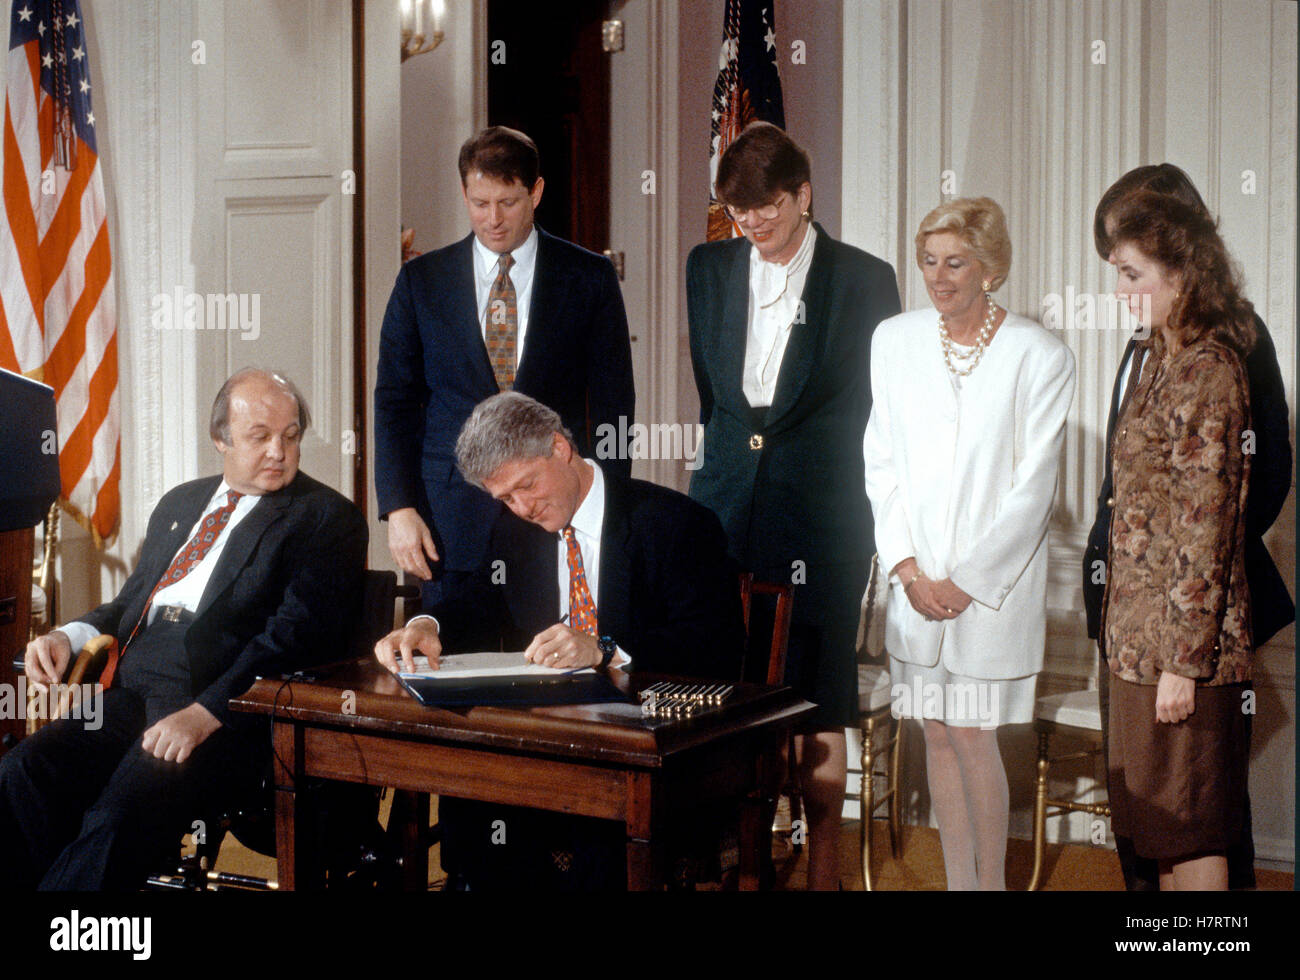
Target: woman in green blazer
x,y
780,326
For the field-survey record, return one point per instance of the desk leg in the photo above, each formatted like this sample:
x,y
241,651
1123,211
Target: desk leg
x,y
756,813
645,858
411,811
292,836
752,841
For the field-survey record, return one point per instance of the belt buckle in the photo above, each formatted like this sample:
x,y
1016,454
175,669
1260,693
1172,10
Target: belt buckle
x,y
172,614
755,441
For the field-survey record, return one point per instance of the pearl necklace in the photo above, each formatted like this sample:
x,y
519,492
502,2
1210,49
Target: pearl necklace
x,y
981,342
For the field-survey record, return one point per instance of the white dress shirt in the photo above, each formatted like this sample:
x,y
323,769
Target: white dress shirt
x,y
486,270
188,591
1126,369
774,294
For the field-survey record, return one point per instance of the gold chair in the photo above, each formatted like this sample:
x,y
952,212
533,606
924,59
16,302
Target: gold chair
x,y
45,596
881,732
1076,714
881,740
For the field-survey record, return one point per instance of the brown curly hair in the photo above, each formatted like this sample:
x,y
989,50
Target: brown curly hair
x,y
1186,242
1163,178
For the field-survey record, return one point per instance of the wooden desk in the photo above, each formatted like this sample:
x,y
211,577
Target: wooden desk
x,y
354,722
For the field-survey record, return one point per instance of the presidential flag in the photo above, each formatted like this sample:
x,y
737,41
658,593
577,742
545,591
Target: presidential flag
x,y
748,88
58,319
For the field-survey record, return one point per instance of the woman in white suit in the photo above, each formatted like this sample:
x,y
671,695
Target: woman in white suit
x,y
969,403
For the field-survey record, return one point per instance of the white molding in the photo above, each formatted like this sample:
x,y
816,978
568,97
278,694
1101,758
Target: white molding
x,y
383,193
644,225
479,59
871,187
177,194
667,331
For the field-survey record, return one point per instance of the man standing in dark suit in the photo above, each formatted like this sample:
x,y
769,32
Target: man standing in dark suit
x,y
598,571
1270,480
509,307
252,573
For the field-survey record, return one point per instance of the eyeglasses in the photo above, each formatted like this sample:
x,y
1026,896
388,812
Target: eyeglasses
x,y
764,213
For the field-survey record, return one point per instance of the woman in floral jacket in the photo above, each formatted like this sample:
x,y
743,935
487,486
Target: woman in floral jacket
x,y
1176,618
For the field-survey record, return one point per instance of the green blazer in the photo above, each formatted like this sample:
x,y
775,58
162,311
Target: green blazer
x,y
791,487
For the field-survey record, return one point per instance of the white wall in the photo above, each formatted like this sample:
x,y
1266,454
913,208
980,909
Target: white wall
x,y
1015,101
442,106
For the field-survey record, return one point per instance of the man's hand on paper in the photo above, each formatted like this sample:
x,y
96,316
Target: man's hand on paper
x,y
420,635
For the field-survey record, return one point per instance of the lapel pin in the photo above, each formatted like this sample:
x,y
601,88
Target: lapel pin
x,y
175,524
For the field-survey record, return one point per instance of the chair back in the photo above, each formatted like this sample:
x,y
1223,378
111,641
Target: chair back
x,y
871,621
380,592
781,625
44,618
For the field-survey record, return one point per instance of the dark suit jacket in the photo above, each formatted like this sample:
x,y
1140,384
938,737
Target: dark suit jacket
x,y
1270,480
802,495
668,593
286,587
434,368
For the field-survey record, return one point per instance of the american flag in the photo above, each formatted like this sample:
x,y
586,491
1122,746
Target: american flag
x,y
748,88
58,318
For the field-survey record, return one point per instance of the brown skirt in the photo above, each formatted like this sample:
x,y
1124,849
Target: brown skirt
x,y
1178,790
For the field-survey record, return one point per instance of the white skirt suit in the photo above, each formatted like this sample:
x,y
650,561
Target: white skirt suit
x,y
962,475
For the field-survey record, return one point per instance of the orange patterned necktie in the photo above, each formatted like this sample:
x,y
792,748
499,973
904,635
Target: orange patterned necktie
x,y
503,325
582,609
186,560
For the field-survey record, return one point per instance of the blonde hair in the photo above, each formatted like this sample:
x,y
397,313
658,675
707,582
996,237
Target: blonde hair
x,y
980,223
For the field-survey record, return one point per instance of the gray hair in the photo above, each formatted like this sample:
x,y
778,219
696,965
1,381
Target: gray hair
x,y
219,425
504,428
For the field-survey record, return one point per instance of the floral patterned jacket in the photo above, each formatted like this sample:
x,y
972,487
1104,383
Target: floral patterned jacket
x,y
1176,596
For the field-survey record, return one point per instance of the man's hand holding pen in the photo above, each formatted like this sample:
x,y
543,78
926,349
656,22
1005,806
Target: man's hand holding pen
x,y
563,647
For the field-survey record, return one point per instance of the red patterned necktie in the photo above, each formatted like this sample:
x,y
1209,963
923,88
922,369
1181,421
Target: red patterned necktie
x,y
503,325
582,608
188,559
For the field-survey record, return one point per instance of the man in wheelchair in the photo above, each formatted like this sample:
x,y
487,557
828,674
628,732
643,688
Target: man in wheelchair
x,y
255,572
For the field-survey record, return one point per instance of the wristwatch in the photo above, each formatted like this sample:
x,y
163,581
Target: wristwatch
x,y
607,647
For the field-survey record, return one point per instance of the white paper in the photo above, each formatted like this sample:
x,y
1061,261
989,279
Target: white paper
x,y
464,666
